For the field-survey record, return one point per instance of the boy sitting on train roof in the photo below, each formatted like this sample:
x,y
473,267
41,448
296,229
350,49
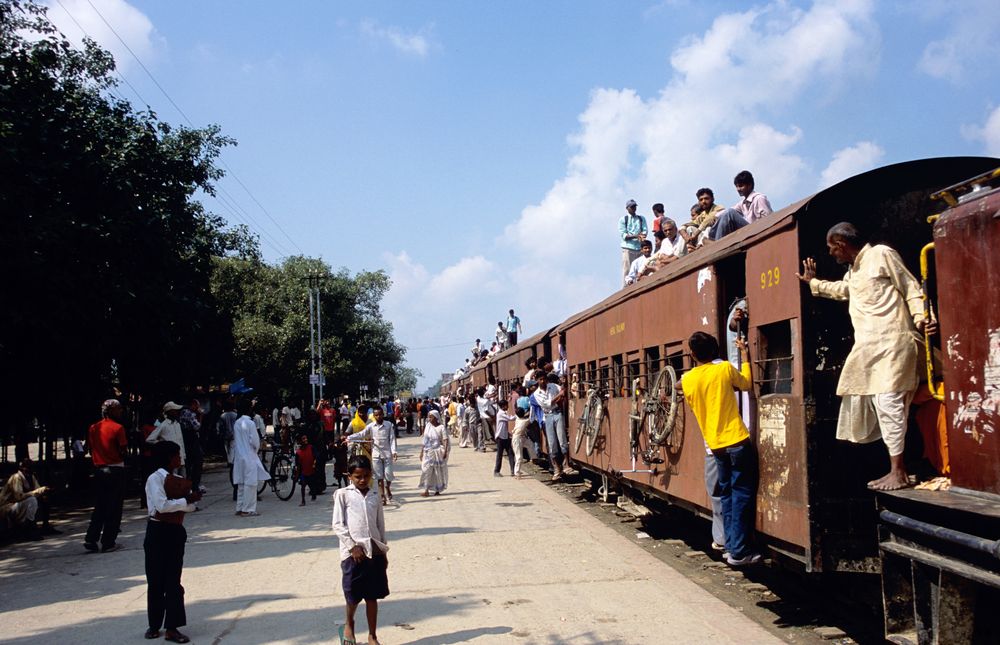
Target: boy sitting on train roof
x,y
880,374
708,390
751,207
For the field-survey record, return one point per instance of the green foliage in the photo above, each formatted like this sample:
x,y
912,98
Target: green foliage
x,y
269,306
105,252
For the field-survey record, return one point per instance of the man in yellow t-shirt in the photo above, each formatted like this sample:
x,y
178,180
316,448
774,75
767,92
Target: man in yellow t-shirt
x,y
708,389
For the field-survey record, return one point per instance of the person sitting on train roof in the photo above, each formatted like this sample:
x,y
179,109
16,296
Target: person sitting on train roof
x,y
879,377
703,216
708,390
632,231
751,207
476,349
674,246
639,264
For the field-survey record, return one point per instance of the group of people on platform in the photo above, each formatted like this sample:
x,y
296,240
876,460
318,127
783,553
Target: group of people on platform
x,y
708,222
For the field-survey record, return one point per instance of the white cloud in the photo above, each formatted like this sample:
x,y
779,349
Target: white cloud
x,y
715,116
970,38
851,161
988,133
417,44
101,20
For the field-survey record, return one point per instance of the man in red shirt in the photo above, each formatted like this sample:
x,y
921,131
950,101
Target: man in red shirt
x,y
107,442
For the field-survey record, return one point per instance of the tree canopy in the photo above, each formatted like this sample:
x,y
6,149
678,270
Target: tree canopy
x,y
270,321
114,272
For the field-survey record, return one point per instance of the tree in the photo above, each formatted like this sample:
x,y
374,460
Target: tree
x,y
105,252
269,309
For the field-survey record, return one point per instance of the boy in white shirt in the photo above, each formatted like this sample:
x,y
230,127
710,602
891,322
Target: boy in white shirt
x,y
383,437
503,439
521,440
359,523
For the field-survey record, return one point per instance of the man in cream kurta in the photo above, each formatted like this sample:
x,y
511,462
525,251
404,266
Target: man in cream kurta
x,y
879,376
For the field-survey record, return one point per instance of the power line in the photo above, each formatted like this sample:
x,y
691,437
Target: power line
x,y
191,123
415,349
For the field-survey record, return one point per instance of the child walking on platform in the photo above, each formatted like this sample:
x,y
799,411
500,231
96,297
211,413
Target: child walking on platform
x,y
503,438
520,441
359,523
305,461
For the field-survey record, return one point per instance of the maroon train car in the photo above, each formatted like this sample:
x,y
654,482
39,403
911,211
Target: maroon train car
x,y
941,548
813,507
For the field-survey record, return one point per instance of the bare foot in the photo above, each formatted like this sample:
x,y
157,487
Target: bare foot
x,y
425,494
895,480
373,640
302,503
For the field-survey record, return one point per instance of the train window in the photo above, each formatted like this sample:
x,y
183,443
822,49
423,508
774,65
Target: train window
x,y
774,364
652,364
675,358
603,375
632,372
618,376
591,374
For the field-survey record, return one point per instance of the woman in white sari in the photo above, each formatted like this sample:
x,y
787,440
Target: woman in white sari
x,y
434,456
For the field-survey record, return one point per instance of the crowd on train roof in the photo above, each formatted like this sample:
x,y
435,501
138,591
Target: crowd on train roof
x,y
709,222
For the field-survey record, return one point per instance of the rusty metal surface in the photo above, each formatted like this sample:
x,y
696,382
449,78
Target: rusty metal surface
x,y
809,502
967,238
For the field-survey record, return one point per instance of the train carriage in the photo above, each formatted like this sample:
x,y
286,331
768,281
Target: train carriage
x,y
812,504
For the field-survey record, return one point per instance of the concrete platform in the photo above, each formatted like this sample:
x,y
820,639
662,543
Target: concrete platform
x,y
493,560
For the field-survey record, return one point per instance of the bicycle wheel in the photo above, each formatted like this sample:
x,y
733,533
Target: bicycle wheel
x,y
283,477
263,460
581,426
594,424
661,406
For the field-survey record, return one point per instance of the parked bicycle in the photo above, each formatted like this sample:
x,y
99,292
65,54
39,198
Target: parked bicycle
x,y
589,423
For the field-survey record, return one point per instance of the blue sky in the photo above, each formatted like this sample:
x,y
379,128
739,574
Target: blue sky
x,y
481,153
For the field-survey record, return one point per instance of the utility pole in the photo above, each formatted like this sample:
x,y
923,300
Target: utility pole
x,y
316,378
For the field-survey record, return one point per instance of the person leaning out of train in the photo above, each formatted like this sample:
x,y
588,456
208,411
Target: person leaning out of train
x,y
708,390
880,374
549,396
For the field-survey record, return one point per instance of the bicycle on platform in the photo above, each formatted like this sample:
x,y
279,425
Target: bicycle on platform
x,y
284,474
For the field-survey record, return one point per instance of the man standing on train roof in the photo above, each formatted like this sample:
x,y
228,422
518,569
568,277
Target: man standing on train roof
x,y
632,231
751,207
513,328
879,377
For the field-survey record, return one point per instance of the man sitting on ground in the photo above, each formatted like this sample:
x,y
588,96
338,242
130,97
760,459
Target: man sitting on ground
x,y
23,502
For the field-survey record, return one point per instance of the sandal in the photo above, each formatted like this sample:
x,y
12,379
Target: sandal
x,y
152,633
253,514
177,637
345,641
425,494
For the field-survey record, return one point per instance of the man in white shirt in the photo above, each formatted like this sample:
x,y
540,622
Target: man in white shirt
x,y
639,264
170,430
383,437
549,397
529,376
247,469
501,335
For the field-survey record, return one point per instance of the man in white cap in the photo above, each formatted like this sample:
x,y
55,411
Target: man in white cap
x,y
170,430
632,231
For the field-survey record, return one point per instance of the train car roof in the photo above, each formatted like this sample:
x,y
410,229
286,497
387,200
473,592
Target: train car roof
x,y
527,342
880,180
